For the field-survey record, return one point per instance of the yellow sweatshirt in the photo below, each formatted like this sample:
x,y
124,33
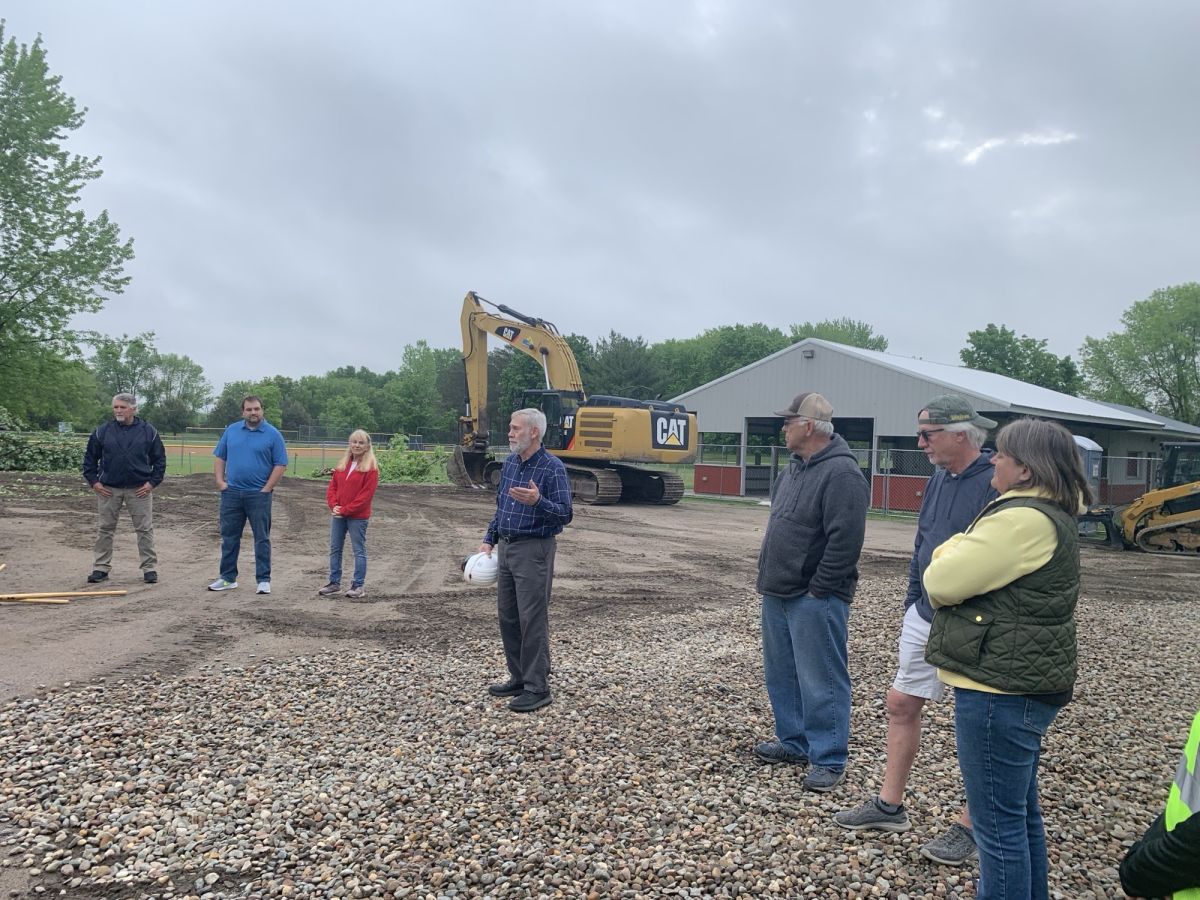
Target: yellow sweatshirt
x,y
997,550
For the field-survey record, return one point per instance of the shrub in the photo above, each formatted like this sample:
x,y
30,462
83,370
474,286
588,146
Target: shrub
x,y
37,451
413,466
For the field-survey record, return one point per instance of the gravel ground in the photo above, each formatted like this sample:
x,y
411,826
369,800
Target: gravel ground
x,y
378,773
228,746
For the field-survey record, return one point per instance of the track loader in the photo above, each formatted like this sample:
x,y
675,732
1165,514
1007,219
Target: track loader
x,y
1164,520
604,441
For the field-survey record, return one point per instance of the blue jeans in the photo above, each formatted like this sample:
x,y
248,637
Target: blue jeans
x,y
357,528
238,508
808,680
999,744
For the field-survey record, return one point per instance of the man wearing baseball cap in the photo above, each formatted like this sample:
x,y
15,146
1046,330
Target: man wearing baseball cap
x,y
807,573
951,433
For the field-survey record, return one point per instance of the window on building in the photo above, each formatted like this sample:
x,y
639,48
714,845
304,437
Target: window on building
x,y
1133,464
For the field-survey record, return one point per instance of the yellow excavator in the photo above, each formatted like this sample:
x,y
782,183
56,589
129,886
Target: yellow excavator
x,y
603,441
1164,520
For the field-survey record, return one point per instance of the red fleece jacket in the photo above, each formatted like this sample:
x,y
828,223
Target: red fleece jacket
x,y
352,492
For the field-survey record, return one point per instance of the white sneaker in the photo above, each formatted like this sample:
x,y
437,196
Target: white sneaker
x,y
222,585
264,587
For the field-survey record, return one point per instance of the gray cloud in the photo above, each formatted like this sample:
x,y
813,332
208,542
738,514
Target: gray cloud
x,y
312,185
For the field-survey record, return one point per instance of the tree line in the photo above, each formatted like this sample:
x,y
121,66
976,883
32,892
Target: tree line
x,y
56,261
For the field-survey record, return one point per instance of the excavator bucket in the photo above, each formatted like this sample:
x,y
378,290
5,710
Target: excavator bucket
x,y
466,469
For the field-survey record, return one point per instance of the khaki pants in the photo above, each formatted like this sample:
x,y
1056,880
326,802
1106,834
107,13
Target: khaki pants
x,y
141,509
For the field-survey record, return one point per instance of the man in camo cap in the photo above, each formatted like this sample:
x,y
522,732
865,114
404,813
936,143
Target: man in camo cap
x,y
951,433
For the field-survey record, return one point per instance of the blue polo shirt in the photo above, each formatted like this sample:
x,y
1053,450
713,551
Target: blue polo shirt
x,y
250,454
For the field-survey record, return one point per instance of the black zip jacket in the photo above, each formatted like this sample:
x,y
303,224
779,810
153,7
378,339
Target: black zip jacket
x,y
1163,862
125,456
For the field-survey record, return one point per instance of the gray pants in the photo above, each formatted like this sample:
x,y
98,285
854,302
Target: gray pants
x,y
526,572
141,510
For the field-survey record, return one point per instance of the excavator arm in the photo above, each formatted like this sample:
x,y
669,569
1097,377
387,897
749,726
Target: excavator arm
x,y
532,336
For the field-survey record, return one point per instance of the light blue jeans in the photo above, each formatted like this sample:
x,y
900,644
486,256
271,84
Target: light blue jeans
x,y
808,679
999,744
339,527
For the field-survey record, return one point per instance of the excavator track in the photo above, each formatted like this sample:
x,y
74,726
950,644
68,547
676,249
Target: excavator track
x,y
649,486
594,486
1171,539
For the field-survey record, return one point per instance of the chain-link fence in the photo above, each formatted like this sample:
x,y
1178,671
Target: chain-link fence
x,y
897,477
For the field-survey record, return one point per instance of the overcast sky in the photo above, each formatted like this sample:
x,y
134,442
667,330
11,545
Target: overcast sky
x,y
311,185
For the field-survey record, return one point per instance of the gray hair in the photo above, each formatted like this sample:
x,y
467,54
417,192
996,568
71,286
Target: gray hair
x,y
127,399
533,417
976,435
820,427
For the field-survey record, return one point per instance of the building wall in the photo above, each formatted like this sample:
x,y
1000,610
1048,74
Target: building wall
x,y
856,388
865,389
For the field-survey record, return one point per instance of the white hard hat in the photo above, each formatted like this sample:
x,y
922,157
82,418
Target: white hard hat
x,y
481,569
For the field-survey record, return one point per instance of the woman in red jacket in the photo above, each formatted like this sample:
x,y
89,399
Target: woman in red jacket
x,y
349,497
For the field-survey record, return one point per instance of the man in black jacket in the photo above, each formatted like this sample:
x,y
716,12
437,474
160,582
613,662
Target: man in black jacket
x,y
807,573
124,462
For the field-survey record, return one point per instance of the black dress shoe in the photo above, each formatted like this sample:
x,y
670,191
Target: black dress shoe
x,y
510,688
529,701
97,576
150,577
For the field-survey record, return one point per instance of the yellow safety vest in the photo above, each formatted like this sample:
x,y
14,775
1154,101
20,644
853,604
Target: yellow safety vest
x,y
1183,801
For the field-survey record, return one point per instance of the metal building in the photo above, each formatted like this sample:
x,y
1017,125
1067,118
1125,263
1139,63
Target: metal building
x,y
876,397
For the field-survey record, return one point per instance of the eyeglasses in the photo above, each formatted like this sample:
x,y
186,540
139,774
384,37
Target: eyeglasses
x,y
926,434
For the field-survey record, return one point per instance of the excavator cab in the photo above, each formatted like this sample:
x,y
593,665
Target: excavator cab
x,y
1181,465
560,408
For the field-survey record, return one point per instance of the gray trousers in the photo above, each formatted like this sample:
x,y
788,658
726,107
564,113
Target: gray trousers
x,y
141,510
526,572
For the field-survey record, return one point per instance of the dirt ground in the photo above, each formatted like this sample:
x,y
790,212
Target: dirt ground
x,y
696,554
614,563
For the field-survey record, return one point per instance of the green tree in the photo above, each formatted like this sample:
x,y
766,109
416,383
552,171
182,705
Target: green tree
x,y
55,261
997,348
684,364
176,392
123,365
851,332
624,367
414,400
346,413
1154,362
43,388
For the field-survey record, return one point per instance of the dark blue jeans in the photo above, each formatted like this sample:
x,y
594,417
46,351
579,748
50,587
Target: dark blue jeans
x,y
999,744
339,527
238,508
808,680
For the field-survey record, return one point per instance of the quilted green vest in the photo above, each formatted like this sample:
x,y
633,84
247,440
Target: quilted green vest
x,y
1019,638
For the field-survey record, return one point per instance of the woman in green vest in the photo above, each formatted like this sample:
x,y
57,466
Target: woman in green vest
x,y
1166,861
1003,635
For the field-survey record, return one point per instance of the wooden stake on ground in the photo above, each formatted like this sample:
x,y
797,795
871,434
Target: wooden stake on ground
x,y
59,600
63,594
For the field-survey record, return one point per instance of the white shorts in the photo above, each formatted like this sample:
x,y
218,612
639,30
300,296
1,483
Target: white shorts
x,y
916,677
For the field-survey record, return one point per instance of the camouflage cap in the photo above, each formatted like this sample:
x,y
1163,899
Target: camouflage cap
x,y
950,409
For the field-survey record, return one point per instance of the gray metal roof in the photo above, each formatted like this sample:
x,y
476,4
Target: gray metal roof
x,y
1167,423
988,391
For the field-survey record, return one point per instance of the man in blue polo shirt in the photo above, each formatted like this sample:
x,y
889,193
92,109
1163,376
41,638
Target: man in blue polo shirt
x,y
251,458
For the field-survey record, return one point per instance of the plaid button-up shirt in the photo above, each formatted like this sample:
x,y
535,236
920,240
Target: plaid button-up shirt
x,y
544,518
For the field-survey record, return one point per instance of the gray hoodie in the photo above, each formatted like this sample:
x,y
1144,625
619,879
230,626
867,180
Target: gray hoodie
x,y
815,532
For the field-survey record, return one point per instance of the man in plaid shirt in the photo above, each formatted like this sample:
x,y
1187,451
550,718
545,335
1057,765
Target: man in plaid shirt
x,y
533,503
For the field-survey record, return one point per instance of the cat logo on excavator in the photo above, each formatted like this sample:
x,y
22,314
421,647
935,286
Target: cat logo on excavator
x,y
670,431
